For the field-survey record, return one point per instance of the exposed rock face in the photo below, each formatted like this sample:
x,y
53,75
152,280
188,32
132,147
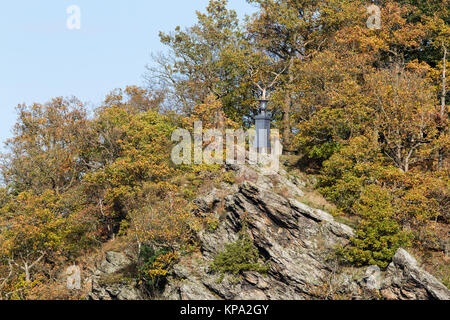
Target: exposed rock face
x,y
108,282
373,278
298,243
406,280
295,239
73,281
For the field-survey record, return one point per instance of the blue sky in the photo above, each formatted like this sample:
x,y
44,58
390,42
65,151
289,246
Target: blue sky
x,y
41,58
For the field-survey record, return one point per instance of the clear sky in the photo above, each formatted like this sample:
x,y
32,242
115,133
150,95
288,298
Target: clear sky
x,y
41,58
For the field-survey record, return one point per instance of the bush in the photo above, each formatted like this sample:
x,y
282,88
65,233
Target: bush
x,y
379,235
238,256
155,265
229,177
345,174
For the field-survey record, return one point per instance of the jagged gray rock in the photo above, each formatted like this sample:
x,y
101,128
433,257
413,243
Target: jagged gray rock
x,y
372,278
406,280
296,240
206,203
114,262
105,286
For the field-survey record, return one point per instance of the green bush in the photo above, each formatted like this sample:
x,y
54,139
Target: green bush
x,y
346,172
229,177
379,235
153,269
238,256
360,182
322,152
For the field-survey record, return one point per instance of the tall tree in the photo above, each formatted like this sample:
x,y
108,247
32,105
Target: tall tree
x,y
439,35
46,150
292,31
33,228
200,63
404,106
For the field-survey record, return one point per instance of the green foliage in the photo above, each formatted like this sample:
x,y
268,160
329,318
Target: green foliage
x,y
349,170
361,107
141,161
229,177
238,256
379,235
154,266
321,152
204,60
359,181
417,196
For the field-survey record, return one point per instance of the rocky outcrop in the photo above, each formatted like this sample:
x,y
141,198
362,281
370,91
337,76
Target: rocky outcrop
x,y
110,281
297,242
405,280
372,279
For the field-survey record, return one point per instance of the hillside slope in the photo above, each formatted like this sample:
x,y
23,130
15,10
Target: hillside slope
x,y
296,245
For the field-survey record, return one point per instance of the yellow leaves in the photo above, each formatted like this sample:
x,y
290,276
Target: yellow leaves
x,y
161,266
211,114
32,226
142,156
404,107
395,36
169,222
46,145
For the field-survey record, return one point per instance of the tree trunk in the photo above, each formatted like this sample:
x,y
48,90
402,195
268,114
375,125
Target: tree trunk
x,y
26,268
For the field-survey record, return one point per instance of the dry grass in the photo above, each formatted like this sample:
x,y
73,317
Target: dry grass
x,y
316,200
436,263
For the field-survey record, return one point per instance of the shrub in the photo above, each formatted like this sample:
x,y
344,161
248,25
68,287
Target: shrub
x,y
379,235
345,174
229,177
155,265
238,256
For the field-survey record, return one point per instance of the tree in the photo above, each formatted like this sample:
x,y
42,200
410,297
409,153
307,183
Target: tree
x,y
404,105
333,104
199,65
46,150
439,33
379,235
338,90
132,149
397,42
33,228
291,32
